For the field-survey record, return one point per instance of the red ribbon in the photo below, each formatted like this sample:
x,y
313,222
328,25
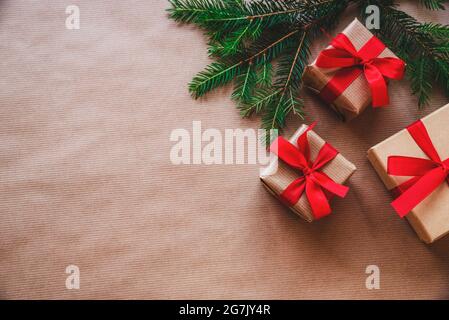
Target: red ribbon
x,y
312,181
427,174
352,63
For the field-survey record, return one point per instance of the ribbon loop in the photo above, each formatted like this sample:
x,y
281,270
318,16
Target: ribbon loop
x,y
312,182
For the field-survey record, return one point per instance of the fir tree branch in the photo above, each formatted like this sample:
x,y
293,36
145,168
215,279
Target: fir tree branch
x,y
435,30
219,73
245,37
215,75
257,16
265,73
433,4
424,47
284,9
244,84
250,64
295,59
261,98
274,117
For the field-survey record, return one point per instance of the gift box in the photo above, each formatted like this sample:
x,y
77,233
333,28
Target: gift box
x,y
306,173
414,165
351,73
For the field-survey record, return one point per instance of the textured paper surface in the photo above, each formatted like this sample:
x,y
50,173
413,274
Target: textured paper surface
x,y
357,95
86,177
430,218
278,175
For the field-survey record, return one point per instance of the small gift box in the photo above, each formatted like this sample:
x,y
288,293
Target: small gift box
x,y
414,165
350,74
307,173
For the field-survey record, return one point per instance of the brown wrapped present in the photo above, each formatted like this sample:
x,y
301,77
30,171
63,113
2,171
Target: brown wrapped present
x,y
414,164
309,173
346,74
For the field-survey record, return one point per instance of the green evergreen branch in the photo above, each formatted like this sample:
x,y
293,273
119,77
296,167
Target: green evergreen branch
x,y
265,73
424,47
433,4
257,16
265,10
219,73
264,46
274,118
435,30
295,60
259,100
215,75
244,84
420,76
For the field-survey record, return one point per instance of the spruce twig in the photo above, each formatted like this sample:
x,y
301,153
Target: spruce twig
x,y
423,46
264,46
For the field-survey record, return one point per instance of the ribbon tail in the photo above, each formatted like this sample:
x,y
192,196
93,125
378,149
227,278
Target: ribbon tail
x,y
400,189
293,192
330,185
317,200
419,191
378,86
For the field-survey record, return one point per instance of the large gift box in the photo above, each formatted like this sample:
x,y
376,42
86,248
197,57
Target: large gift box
x,y
306,173
350,74
414,165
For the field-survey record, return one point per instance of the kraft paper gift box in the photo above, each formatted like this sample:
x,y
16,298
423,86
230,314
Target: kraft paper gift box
x,y
278,175
430,218
356,97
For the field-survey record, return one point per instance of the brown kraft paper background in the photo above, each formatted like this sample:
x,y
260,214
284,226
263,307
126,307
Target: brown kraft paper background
x,y
86,177
430,218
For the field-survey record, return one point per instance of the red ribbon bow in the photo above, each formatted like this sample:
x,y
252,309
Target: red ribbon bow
x,y
427,174
352,63
312,181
